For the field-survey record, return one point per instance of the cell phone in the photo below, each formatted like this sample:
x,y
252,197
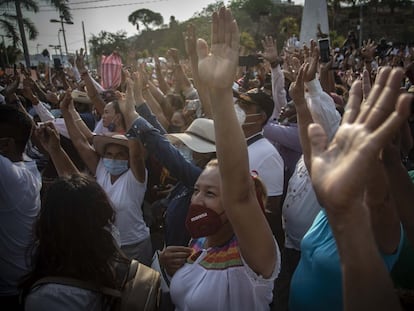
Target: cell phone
x,y
325,54
250,60
57,63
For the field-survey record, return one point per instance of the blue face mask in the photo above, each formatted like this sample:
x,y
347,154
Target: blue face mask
x,y
115,167
111,127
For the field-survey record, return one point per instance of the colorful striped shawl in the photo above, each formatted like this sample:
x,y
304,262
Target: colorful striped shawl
x,y
217,258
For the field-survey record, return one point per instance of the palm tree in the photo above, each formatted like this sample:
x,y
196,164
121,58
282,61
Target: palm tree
x,y
25,24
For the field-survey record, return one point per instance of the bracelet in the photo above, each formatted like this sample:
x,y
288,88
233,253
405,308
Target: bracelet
x,y
76,120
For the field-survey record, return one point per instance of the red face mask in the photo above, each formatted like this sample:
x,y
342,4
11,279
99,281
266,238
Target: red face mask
x,y
202,221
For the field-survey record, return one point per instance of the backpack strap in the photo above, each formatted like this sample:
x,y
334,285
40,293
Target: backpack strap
x,y
142,288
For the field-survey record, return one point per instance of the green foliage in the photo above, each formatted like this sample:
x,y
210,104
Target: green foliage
x,y
257,8
106,42
209,9
247,41
145,17
336,39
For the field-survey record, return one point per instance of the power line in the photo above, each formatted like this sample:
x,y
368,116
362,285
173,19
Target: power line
x,y
108,6
74,3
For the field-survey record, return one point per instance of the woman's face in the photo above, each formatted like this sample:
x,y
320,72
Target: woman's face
x,y
207,190
109,115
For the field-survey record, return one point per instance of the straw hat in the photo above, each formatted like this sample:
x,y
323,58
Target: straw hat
x,y
100,142
199,136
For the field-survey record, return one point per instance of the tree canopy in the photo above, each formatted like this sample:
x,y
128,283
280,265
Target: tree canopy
x,y
146,17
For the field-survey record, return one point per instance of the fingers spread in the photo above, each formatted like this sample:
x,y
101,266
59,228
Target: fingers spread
x,y
378,87
384,134
386,102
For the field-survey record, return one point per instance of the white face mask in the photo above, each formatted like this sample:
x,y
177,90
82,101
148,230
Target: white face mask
x,y
241,115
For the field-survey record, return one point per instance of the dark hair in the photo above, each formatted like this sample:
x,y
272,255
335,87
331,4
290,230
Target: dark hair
x,y
175,101
72,234
15,124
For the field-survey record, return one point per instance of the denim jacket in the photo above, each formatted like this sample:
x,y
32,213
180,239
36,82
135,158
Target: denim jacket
x,y
187,173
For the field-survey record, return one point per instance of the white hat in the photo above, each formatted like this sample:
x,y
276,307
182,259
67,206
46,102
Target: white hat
x,y
81,97
100,141
199,136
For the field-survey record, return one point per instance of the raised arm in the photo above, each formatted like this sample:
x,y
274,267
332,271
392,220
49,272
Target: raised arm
x,y
81,143
93,94
304,117
203,92
278,79
160,77
136,149
217,70
340,172
49,138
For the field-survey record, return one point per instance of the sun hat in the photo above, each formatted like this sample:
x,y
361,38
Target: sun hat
x,y
199,136
81,97
100,142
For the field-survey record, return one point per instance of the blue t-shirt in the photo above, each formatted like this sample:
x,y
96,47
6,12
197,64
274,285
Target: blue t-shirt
x,y
317,282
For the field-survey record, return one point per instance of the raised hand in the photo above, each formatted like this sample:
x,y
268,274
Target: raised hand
x,y
172,53
297,88
66,101
368,50
48,137
310,73
80,61
340,170
190,41
270,50
217,69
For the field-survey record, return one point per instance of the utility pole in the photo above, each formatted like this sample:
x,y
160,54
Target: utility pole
x,y
23,40
62,23
84,43
5,49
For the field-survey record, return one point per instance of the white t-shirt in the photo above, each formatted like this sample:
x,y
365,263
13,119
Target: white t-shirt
x,y
300,206
220,279
126,195
267,162
20,185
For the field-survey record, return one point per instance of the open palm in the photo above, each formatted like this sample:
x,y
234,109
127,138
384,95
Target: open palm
x,y
340,171
217,68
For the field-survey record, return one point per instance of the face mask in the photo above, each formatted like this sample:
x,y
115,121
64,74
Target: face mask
x,y
111,127
240,114
186,152
252,115
202,221
115,167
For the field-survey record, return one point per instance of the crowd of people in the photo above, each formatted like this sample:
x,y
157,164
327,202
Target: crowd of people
x,y
283,185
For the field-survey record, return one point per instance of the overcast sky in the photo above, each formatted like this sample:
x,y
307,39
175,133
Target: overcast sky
x,y
109,15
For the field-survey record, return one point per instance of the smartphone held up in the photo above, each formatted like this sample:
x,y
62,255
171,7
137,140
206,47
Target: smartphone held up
x,y
325,54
